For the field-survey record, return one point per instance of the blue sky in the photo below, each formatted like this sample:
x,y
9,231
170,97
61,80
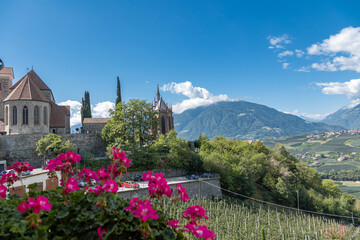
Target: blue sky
x,y
297,57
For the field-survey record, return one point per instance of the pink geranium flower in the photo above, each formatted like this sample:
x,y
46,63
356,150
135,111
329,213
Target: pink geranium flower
x,y
111,186
204,233
100,231
40,203
145,210
97,190
3,190
20,167
195,213
87,174
71,185
103,175
147,175
9,178
182,193
174,223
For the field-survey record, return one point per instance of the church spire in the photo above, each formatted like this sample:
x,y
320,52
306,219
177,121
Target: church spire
x,y
158,93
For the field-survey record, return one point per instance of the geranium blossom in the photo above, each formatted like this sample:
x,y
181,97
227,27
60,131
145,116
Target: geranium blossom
x,y
3,190
174,223
20,167
182,193
9,178
110,186
142,208
147,175
195,213
40,203
203,232
158,186
100,231
121,157
87,174
63,162
103,175
71,185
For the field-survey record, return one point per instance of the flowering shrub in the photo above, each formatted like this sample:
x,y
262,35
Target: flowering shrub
x,y
95,212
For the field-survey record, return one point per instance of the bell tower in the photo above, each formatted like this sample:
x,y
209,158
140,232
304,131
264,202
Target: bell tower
x,y
6,78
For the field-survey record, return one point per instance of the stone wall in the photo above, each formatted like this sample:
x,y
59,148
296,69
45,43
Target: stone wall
x,y
168,173
15,148
193,187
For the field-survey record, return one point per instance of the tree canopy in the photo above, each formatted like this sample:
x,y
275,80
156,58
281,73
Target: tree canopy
x,y
52,145
85,107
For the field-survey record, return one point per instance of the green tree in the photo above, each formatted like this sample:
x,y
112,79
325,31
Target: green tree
x,y
52,145
331,189
132,124
118,91
85,107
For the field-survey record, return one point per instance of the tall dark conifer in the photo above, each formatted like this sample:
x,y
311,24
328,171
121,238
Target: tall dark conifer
x,y
85,107
118,91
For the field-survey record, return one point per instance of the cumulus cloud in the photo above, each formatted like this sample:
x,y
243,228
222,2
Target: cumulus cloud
x,y
285,53
351,89
286,65
302,69
278,42
309,116
343,49
100,110
197,96
299,53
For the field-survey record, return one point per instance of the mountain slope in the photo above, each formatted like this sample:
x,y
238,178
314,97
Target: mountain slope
x,y
243,120
345,117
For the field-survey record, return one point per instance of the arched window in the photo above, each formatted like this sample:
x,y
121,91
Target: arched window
x,y
163,131
6,115
45,115
36,115
25,115
169,124
14,116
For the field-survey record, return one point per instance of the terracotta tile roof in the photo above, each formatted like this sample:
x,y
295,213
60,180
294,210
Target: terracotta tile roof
x,y
37,80
57,117
95,120
26,90
6,71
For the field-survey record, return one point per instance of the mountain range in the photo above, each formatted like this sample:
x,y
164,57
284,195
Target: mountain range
x,y
243,120
346,117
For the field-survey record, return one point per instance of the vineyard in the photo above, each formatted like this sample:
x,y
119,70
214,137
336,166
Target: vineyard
x,y
231,218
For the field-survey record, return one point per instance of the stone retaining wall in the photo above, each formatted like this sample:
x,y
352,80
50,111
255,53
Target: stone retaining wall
x,y
15,148
168,173
193,187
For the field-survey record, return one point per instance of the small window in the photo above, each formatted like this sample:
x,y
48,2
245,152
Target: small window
x,y
163,129
45,115
14,116
6,115
36,115
25,115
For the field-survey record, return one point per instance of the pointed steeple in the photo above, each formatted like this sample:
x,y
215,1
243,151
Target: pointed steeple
x,y
158,93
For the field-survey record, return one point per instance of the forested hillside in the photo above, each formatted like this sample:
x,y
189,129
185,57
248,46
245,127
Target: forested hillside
x,y
243,120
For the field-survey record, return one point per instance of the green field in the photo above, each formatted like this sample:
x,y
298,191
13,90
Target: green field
x,y
232,218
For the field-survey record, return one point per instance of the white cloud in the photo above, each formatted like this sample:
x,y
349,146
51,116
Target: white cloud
x,y
286,65
299,53
309,116
343,49
279,42
197,96
302,69
350,89
285,53
100,110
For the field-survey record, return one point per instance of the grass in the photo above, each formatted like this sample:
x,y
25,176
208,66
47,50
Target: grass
x,y
232,218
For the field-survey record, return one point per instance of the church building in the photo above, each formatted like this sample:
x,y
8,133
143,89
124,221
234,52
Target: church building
x,y
164,113
29,106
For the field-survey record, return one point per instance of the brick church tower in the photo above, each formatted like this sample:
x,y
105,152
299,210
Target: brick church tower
x,y
164,113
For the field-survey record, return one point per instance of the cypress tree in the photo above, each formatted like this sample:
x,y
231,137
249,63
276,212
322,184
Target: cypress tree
x,y
85,107
118,91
